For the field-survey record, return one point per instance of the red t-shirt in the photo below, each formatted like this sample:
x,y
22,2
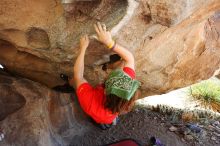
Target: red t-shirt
x,y
92,100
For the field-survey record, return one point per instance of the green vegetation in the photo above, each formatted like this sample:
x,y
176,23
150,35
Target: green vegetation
x,y
207,93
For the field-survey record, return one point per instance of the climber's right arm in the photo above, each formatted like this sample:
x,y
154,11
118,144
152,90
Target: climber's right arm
x,y
126,55
78,69
105,37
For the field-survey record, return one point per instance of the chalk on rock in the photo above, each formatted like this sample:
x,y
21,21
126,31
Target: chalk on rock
x,y
1,136
172,129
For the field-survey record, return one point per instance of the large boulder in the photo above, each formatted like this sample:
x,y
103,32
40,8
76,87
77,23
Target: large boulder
x,y
32,114
10,100
183,54
39,39
49,118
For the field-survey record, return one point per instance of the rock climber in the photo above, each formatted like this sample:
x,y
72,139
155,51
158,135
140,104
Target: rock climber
x,y
105,102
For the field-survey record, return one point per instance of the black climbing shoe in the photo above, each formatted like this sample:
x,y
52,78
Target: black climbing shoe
x,y
105,126
64,77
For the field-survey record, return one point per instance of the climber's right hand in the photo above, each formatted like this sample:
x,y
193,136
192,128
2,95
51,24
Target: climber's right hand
x,y
103,35
84,42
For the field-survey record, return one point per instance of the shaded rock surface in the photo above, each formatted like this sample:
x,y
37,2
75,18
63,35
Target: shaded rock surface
x,y
10,100
49,118
32,114
171,40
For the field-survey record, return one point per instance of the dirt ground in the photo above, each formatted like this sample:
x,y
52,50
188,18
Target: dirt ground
x,y
140,125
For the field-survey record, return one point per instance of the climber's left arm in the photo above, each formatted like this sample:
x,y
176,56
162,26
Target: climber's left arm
x,y
105,37
78,69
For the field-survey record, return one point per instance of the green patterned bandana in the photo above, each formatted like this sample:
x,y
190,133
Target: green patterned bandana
x,y
121,84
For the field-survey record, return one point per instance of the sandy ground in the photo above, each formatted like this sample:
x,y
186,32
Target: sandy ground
x,y
139,125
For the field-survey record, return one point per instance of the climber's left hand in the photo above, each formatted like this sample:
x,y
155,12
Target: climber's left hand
x,y
103,34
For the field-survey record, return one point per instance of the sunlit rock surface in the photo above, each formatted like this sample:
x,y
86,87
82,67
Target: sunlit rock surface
x,y
174,42
39,39
182,54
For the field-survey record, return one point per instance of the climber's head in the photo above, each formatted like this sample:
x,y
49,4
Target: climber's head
x,y
121,91
120,105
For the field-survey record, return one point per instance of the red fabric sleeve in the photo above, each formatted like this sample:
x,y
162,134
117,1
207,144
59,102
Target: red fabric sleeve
x,y
85,94
91,100
129,71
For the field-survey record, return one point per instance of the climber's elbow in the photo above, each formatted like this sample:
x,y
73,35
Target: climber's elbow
x,y
129,61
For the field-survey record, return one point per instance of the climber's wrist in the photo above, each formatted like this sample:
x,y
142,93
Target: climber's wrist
x,y
111,45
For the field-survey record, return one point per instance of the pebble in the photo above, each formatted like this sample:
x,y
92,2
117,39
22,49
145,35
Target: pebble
x,y
172,129
213,138
210,127
174,119
203,134
216,127
183,140
201,126
194,128
187,131
189,137
216,123
206,122
217,134
200,142
184,130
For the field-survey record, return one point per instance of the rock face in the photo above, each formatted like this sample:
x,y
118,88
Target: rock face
x,y
39,39
32,114
171,12
49,118
10,100
175,43
183,54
